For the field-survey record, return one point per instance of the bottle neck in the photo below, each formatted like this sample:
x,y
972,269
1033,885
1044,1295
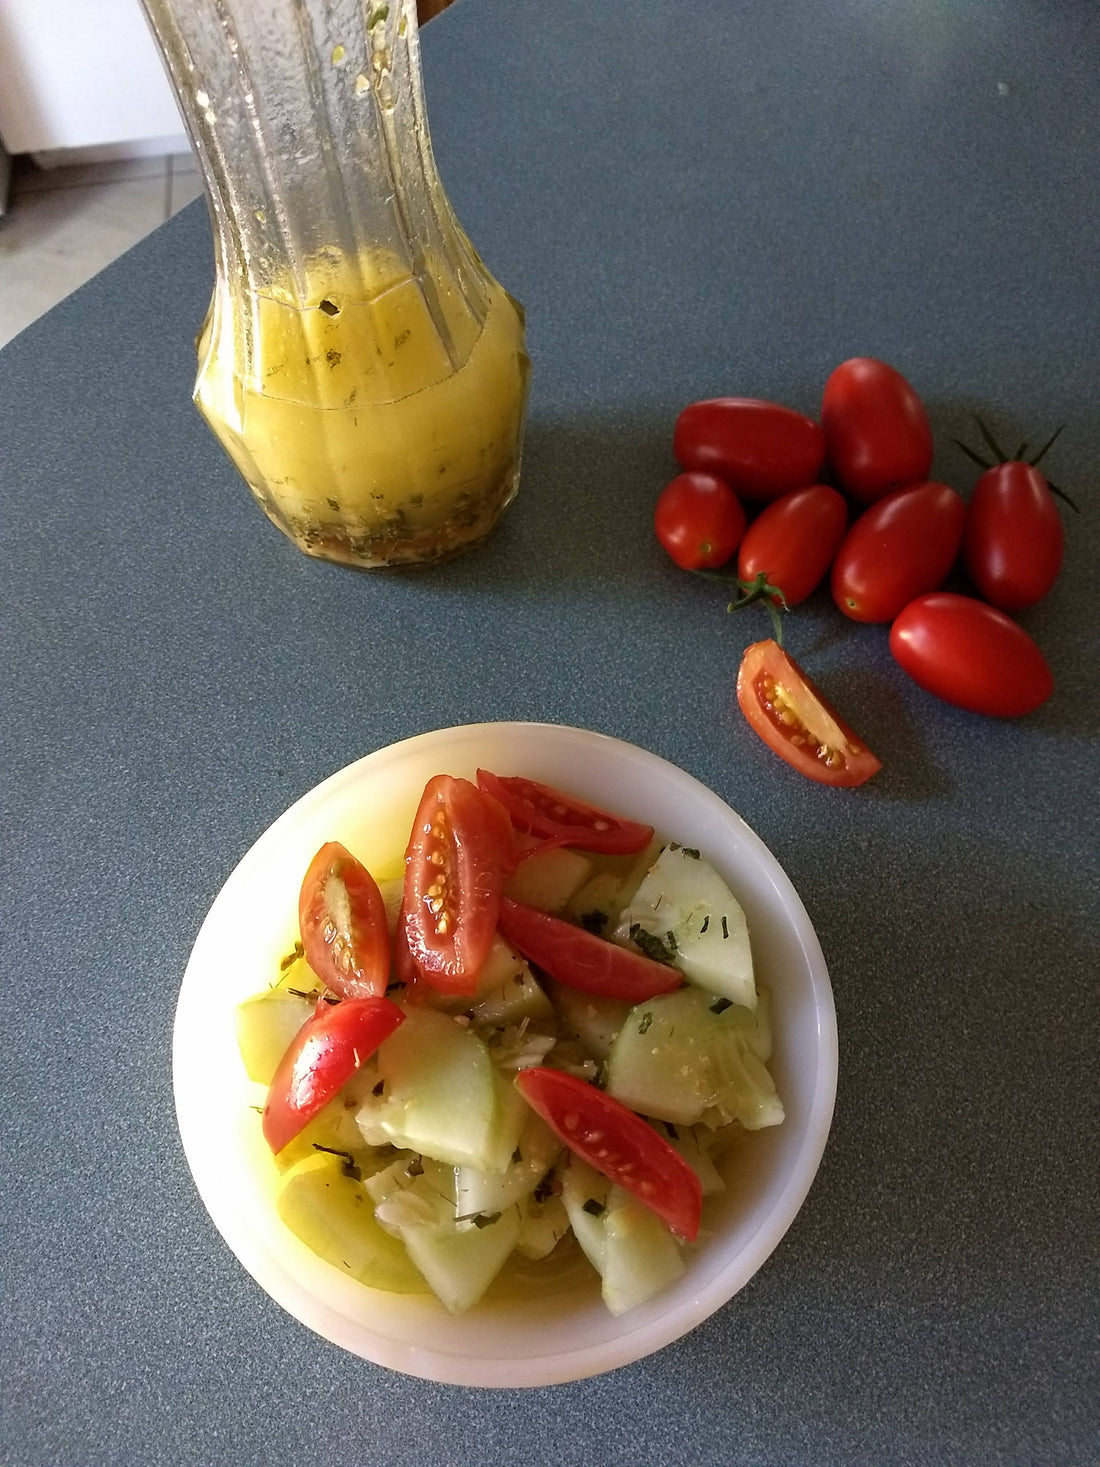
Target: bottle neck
x,y
309,123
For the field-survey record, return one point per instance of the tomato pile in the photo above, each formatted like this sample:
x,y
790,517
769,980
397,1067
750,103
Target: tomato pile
x,y
849,498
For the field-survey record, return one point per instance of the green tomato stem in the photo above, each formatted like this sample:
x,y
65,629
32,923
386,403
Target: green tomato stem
x,y
758,589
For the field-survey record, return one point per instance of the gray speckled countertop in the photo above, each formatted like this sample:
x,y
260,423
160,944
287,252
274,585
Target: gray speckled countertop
x,y
689,199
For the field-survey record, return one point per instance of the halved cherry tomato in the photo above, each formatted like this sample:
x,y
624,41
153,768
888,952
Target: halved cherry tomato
x,y
793,541
455,865
323,1056
579,959
699,521
876,430
794,720
618,1144
970,654
900,548
541,810
760,449
342,918
1013,542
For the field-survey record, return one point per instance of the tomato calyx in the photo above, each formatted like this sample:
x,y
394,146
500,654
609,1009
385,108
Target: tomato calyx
x,y
1020,456
759,589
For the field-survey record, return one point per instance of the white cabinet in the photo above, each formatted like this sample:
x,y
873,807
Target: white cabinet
x,y
79,74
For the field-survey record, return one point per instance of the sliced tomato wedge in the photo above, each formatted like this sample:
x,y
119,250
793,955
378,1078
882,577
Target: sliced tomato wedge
x,y
343,923
562,819
582,960
458,857
794,720
322,1057
618,1143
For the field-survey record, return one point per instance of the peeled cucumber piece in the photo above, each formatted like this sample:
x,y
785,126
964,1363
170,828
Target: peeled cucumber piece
x,y
458,1257
630,1247
676,1059
333,1214
596,905
478,1191
584,1194
594,1018
441,1095
392,893
690,1142
295,973
641,1257
334,1128
507,990
266,1024
461,1260
684,913
544,1225
548,879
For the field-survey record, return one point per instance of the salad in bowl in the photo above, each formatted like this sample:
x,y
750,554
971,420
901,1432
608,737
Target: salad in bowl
x,y
505,1056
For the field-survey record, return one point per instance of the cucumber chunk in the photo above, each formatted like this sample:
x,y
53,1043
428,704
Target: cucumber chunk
x,y
332,1213
692,1144
544,1225
507,991
459,1257
676,1059
685,910
629,1246
335,1129
299,977
547,881
438,1094
596,905
535,1153
592,1017
460,1260
584,1194
265,1026
641,1257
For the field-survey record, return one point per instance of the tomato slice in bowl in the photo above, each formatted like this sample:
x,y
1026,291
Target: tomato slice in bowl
x,y
342,919
541,810
794,720
618,1143
457,858
327,1050
580,959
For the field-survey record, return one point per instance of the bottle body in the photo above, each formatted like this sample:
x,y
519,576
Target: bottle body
x,y
362,368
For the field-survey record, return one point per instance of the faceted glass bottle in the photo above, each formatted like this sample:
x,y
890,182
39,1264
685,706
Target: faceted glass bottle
x,y
364,371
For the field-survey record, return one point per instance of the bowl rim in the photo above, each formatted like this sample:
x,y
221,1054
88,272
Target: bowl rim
x,y
634,1340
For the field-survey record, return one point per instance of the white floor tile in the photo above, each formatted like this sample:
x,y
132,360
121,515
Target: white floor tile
x,y
184,183
30,179
53,241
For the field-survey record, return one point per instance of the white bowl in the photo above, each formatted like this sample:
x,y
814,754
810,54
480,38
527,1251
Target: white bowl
x,y
559,1331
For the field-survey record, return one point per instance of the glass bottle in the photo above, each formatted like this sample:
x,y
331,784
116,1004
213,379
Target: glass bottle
x,y
364,371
